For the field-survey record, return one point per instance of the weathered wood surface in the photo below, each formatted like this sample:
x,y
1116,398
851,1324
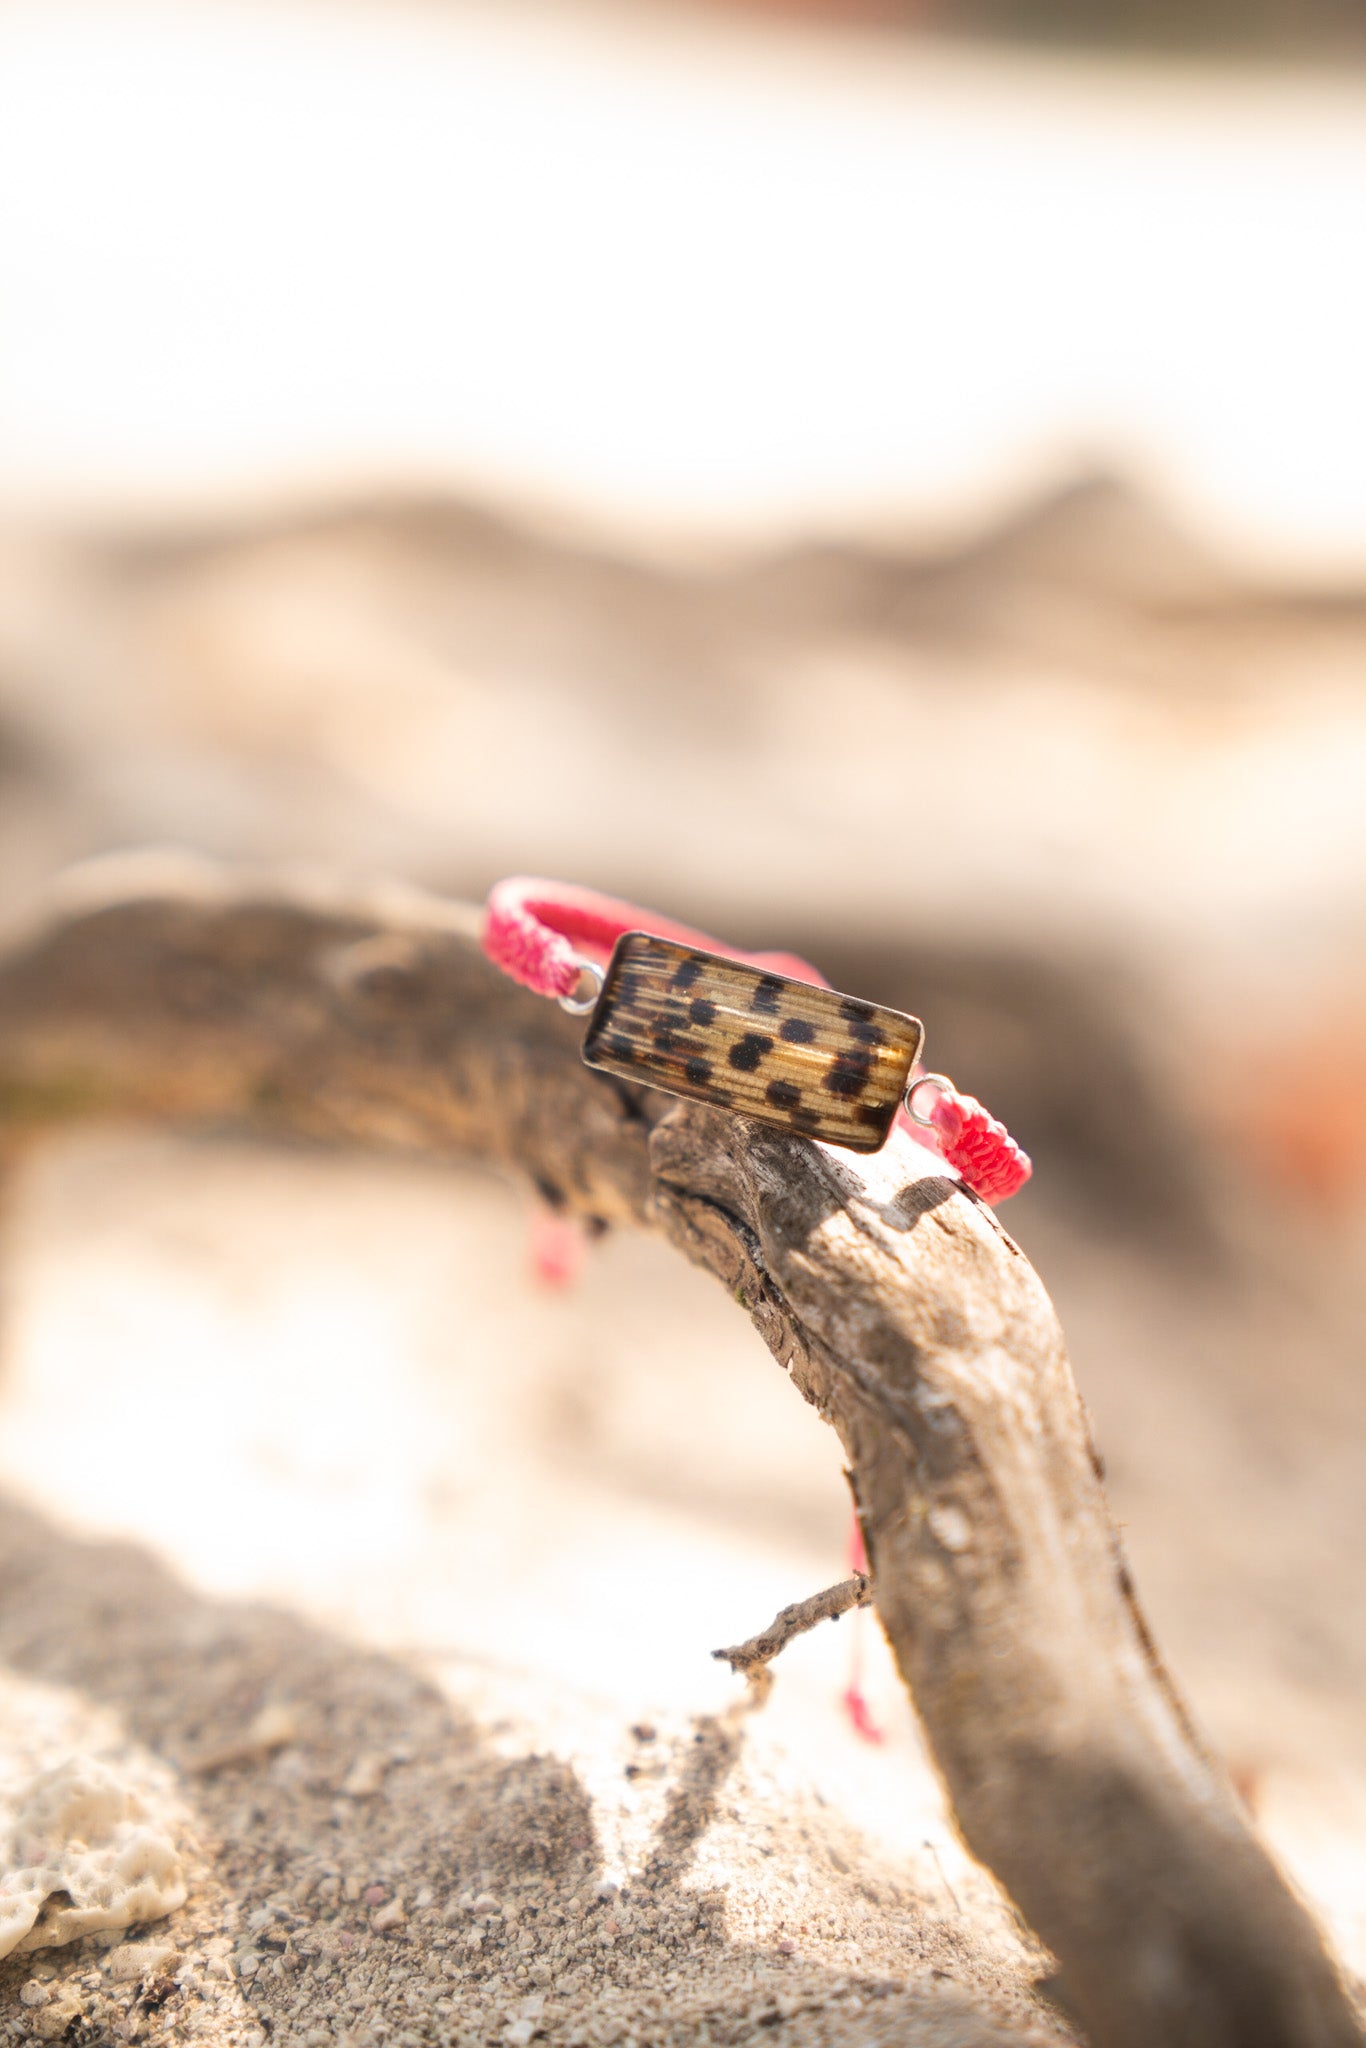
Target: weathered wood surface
x,y
898,1305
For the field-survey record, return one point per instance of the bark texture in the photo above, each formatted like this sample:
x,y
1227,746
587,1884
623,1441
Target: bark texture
x,y
897,1304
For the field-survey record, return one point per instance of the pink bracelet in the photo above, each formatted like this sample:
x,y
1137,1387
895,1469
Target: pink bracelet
x,y
761,1034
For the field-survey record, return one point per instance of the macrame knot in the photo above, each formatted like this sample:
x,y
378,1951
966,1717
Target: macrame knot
x,y
979,1146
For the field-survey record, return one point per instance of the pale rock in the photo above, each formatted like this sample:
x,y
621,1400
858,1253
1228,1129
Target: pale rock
x,y
133,1960
53,2020
86,1833
366,1774
274,1727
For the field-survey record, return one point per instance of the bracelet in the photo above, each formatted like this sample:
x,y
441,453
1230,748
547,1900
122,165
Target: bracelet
x,y
759,1034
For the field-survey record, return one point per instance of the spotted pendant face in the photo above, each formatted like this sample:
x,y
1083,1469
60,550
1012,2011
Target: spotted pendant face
x,y
717,1031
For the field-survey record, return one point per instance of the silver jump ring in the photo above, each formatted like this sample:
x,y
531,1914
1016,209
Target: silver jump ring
x,y
577,1002
939,1081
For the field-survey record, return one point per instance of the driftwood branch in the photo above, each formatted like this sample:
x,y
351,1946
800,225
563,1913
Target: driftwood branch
x,y
897,1304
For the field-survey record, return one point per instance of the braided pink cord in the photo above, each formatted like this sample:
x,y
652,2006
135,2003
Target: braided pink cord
x,y
534,931
980,1146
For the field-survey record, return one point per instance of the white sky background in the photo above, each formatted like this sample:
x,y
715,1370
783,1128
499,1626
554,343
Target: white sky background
x,y
668,274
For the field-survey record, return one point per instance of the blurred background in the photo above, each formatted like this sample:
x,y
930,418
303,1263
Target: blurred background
x,y
883,480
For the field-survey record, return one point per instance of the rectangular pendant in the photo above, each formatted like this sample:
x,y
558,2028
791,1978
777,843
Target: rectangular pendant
x,y
714,1030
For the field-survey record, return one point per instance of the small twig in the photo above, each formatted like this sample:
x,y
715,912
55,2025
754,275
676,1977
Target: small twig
x,y
750,1658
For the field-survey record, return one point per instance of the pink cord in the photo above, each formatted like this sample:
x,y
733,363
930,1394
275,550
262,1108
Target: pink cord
x,y
534,931
530,927
557,1248
853,1699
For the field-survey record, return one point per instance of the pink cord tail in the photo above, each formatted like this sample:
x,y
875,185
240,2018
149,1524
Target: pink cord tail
x,y
557,1248
853,1699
